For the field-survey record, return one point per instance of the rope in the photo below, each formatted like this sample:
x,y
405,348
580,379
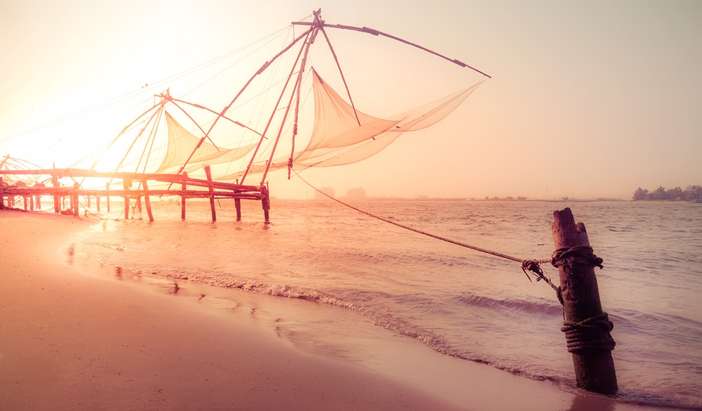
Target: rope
x,y
590,334
532,267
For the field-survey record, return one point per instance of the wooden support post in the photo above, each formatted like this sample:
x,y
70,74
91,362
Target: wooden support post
x,y
147,201
88,201
31,202
183,187
138,203
107,188
237,205
55,186
74,200
37,201
208,173
97,202
127,184
265,204
25,203
586,326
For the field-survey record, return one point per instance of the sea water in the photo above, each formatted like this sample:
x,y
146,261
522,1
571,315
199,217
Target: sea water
x,y
458,302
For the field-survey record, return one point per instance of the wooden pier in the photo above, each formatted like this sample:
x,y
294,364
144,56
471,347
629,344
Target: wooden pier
x,y
135,187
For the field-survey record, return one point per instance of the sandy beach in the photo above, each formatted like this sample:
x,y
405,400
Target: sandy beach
x,y
71,341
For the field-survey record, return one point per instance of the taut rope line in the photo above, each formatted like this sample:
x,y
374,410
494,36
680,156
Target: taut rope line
x,y
532,266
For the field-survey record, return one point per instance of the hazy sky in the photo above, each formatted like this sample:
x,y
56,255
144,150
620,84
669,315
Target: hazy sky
x,y
588,99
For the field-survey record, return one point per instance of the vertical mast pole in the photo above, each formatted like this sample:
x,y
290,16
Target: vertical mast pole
x,y
236,97
297,97
275,108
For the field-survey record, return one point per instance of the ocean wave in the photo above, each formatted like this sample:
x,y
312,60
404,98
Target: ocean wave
x,y
361,302
535,307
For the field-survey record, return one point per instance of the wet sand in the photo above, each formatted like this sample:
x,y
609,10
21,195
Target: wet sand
x,y
72,341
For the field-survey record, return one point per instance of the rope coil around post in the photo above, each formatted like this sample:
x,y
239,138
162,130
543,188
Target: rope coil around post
x,y
590,334
593,333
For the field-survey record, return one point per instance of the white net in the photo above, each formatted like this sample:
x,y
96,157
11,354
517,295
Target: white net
x,y
181,144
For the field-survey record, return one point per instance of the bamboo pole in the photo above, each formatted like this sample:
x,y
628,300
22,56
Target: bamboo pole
x,y
586,326
238,94
183,188
147,201
275,108
208,173
375,32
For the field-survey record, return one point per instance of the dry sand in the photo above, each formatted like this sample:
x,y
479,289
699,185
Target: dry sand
x,y
77,342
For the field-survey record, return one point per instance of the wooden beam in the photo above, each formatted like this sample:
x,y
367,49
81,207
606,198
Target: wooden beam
x,y
166,178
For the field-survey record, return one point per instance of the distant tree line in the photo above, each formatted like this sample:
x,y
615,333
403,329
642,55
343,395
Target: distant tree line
x,y
691,193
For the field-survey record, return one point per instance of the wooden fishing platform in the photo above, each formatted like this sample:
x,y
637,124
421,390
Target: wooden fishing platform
x,y
187,188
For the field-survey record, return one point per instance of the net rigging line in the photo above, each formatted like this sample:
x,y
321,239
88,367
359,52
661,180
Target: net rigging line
x,y
146,88
529,266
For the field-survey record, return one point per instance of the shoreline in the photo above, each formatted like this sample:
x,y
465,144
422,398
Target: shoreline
x,y
85,350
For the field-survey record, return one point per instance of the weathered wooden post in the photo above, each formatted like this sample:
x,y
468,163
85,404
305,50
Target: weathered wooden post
x,y
107,195
586,326
97,202
2,194
126,183
237,206
208,173
74,200
147,201
31,202
138,203
55,186
183,188
265,204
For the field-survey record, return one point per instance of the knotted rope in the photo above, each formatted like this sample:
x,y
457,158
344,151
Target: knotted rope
x,y
590,334
593,333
